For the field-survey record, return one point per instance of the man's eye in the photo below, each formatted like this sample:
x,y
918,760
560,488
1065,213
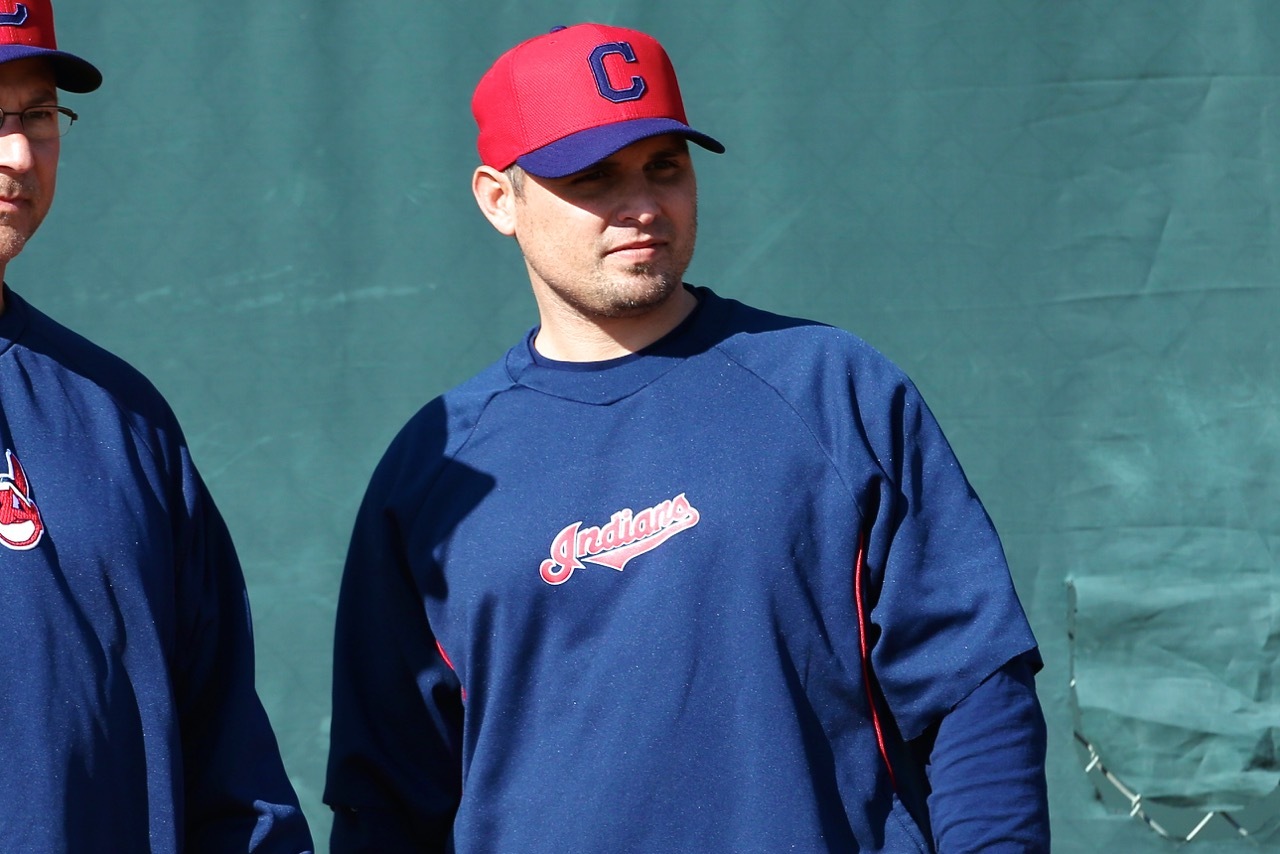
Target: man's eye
x,y
40,114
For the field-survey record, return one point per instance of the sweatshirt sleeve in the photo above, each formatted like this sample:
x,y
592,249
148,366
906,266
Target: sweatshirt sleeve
x,y
237,794
987,769
943,600
395,769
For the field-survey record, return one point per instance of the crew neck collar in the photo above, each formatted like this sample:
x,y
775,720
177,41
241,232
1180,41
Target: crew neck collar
x,y
610,380
13,320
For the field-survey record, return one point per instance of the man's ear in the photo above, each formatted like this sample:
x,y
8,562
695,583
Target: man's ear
x,y
496,198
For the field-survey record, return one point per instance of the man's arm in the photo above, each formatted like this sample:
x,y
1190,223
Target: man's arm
x,y
986,769
395,768
955,654
237,795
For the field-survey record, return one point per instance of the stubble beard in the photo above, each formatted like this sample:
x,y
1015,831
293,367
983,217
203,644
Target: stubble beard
x,y
638,288
621,292
12,237
645,288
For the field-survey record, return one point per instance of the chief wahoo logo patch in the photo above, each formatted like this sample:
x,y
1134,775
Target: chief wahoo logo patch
x,y
20,524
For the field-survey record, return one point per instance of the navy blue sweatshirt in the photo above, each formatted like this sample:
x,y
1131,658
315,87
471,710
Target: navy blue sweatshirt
x,y
128,715
614,607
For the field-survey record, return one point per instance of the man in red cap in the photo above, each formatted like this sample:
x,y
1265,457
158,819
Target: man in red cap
x,y
129,720
674,574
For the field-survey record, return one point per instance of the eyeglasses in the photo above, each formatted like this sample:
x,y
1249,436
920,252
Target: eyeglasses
x,y
43,122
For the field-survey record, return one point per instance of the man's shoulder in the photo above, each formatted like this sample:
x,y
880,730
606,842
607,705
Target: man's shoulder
x,y
445,422
85,368
434,434
781,348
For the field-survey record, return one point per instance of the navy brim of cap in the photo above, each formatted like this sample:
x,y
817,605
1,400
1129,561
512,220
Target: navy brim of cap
x,y
70,72
579,150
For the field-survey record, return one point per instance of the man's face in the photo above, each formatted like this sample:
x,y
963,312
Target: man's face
x,y
28,169
613,240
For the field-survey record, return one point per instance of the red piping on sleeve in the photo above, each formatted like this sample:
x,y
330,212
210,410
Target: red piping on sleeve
x,y
859,566
445,656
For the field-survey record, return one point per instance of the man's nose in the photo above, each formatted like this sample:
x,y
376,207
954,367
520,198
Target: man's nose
x,y
15,148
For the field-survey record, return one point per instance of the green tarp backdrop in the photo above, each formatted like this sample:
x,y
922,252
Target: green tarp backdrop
x,y
1061,218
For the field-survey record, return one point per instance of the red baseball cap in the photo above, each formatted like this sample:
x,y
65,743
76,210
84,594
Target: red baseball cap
x,y
557,103
26,30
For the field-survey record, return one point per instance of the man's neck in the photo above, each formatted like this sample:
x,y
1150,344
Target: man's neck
x,y
568,336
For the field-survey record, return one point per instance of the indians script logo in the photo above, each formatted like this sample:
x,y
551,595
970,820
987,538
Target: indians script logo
x,y
16,18
20,523
626,536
